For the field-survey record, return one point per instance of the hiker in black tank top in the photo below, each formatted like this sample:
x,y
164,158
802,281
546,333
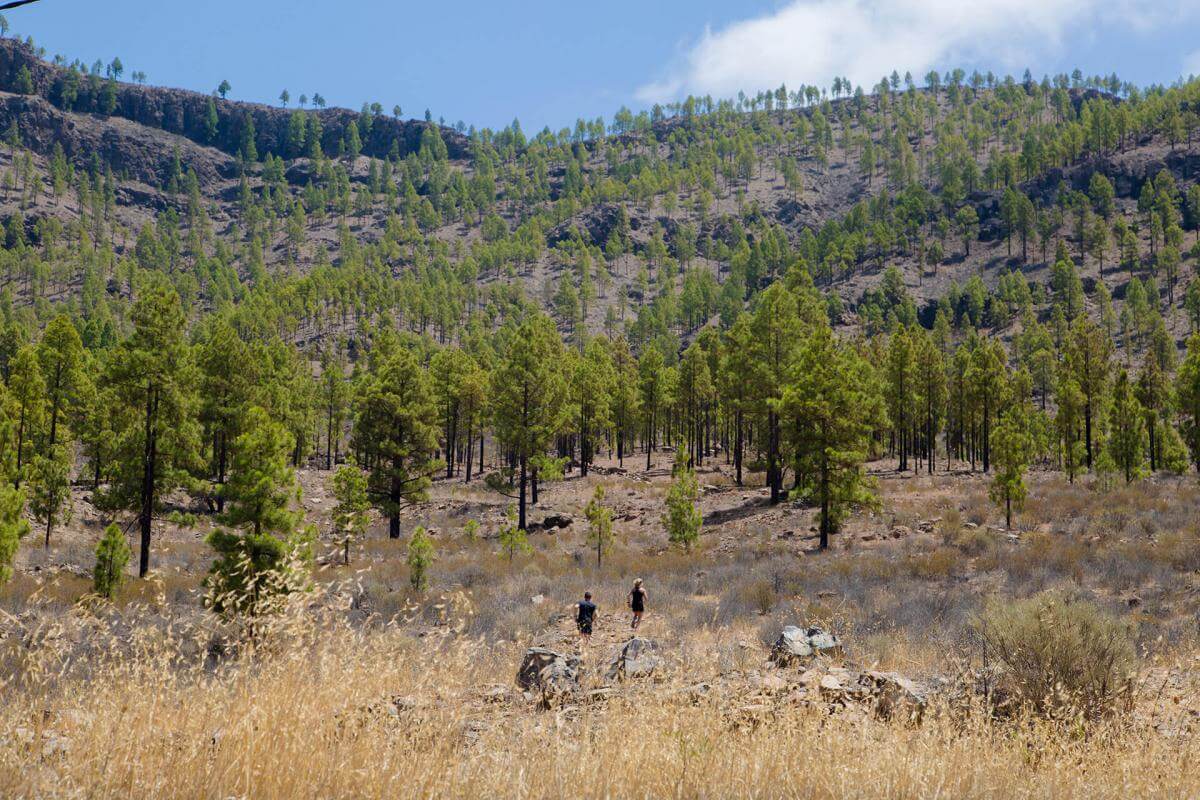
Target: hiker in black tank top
x,y
637,603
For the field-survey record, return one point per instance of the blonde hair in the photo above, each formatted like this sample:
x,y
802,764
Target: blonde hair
x,y
637,582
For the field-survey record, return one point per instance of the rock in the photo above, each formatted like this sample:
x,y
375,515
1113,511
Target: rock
x,y
538,599
900,532
496,694
830,683
638,658
893,694
795,644
770,683
556,521
548,671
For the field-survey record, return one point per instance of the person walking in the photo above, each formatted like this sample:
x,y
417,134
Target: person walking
x,y
637,603
586,614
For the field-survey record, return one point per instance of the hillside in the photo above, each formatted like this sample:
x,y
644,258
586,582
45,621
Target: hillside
x,y
317,424
683,192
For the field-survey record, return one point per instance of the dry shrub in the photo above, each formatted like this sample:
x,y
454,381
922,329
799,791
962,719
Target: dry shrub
x,y
950,525
1043,551
1179,549
1061,655
977,509
761,594
935,565
973,541
873,568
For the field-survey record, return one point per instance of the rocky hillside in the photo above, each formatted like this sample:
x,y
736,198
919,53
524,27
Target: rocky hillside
x,y
654,226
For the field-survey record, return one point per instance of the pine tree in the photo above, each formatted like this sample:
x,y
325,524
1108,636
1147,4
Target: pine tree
x,y
625,401
212,123
682,518
1012,448
737,399
1088,354
395,434
512,536
152,378
1068,422
60,355
599,517
1187,392
528,396
776,326
50,487
1127,429
227,378
591,380
834,401
262,485
651,392
28,390
112,555
421,555
350,515
13,528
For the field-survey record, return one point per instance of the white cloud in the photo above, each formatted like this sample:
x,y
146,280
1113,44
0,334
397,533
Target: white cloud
x,y
813,41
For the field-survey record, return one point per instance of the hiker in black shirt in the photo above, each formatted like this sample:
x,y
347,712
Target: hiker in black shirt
x,y
587,612
637,603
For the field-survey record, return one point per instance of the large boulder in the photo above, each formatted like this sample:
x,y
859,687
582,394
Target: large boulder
x,y
637,658
549,671
800,644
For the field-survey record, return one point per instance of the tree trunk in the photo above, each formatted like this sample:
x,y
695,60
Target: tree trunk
x,y
521,496
149,466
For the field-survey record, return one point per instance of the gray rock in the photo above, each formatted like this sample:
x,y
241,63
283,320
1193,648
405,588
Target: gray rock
x,y
548,671
797,644
637,658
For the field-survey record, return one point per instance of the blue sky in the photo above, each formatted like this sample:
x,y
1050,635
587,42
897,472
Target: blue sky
x,y
550,62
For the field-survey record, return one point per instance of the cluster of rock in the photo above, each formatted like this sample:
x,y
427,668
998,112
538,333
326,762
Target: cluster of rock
x,y
804,667
554,676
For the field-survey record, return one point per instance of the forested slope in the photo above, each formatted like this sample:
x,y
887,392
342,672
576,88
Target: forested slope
x,y
806,278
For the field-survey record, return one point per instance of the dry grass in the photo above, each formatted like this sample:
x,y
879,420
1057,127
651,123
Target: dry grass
x,y
308,716
146,707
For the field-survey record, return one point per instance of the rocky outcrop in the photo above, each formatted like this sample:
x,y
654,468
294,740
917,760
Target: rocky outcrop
x,y
185,113
637,658
797,645
548,671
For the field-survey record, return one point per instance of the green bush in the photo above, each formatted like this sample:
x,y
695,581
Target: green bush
x,y
112,555
1060,655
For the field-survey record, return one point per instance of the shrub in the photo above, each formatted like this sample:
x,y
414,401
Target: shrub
x,y
1060,654
950,525
420,557
112,555
762,595
939,563
973,541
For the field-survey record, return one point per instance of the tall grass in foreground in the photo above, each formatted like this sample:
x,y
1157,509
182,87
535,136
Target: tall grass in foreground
x,y
313,713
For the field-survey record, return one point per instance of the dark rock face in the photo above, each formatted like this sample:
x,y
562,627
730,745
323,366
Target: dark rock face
x,y
140,153
594,226
185,113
